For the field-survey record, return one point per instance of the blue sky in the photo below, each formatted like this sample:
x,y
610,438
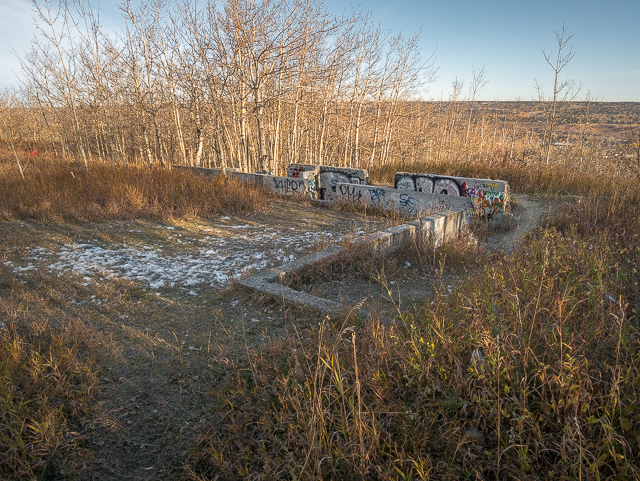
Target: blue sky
x,y
503,36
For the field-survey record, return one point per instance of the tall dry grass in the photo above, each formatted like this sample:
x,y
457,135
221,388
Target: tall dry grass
x,y
57,191
529,370
47,379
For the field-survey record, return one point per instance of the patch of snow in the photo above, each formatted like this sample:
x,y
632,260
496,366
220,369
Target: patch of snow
x,y
216,261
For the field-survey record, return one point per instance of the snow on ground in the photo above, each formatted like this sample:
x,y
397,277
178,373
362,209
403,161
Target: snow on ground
x,y
210,261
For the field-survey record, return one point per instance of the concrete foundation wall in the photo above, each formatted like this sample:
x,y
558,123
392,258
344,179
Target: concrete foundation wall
x,y
297,170
445,224
333,184
486,195
203,171
280,185
437,228
327,177
407,203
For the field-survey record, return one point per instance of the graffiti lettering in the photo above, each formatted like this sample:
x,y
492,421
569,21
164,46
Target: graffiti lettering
x,y
377,195
486,196
405,183
352,193
424,184
446,186
287,186
312,187
408,205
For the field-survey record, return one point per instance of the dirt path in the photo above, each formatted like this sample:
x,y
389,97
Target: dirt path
x,y
527,213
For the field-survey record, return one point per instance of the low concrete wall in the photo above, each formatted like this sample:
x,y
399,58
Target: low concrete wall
x,y
437,228
486,195
407,203
203,171
327,177
280,185
445,224
334,184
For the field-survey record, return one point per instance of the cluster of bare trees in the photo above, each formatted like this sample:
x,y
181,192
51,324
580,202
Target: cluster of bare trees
x,y
259,84
238,83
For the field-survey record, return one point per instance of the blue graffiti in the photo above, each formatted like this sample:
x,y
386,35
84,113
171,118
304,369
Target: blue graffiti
x,y
312,187
350,192
408,202
376,195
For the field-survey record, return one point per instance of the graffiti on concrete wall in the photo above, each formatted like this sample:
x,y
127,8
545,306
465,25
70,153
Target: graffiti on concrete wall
x,y
287,186
299,170
330,177
328,182
407,203
487,196
377,196
326,177
446,187
349,192
424,184
405,183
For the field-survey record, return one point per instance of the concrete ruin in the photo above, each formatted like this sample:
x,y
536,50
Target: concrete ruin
x,y
410,204
328,177
413,194
280,185
448,211
486,196
436,228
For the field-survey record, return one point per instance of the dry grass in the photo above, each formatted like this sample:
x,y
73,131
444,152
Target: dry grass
x,y
529,370
46,380
364,261
59,192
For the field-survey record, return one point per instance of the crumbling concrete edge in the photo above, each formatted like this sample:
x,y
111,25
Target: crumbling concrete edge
x,y
438,228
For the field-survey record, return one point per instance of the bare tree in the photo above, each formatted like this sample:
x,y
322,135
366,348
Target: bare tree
x,y
478,82
58,67
563,90
143,61
7,105
251,84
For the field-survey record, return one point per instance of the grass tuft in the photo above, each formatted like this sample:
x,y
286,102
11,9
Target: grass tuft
x,y
46,383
